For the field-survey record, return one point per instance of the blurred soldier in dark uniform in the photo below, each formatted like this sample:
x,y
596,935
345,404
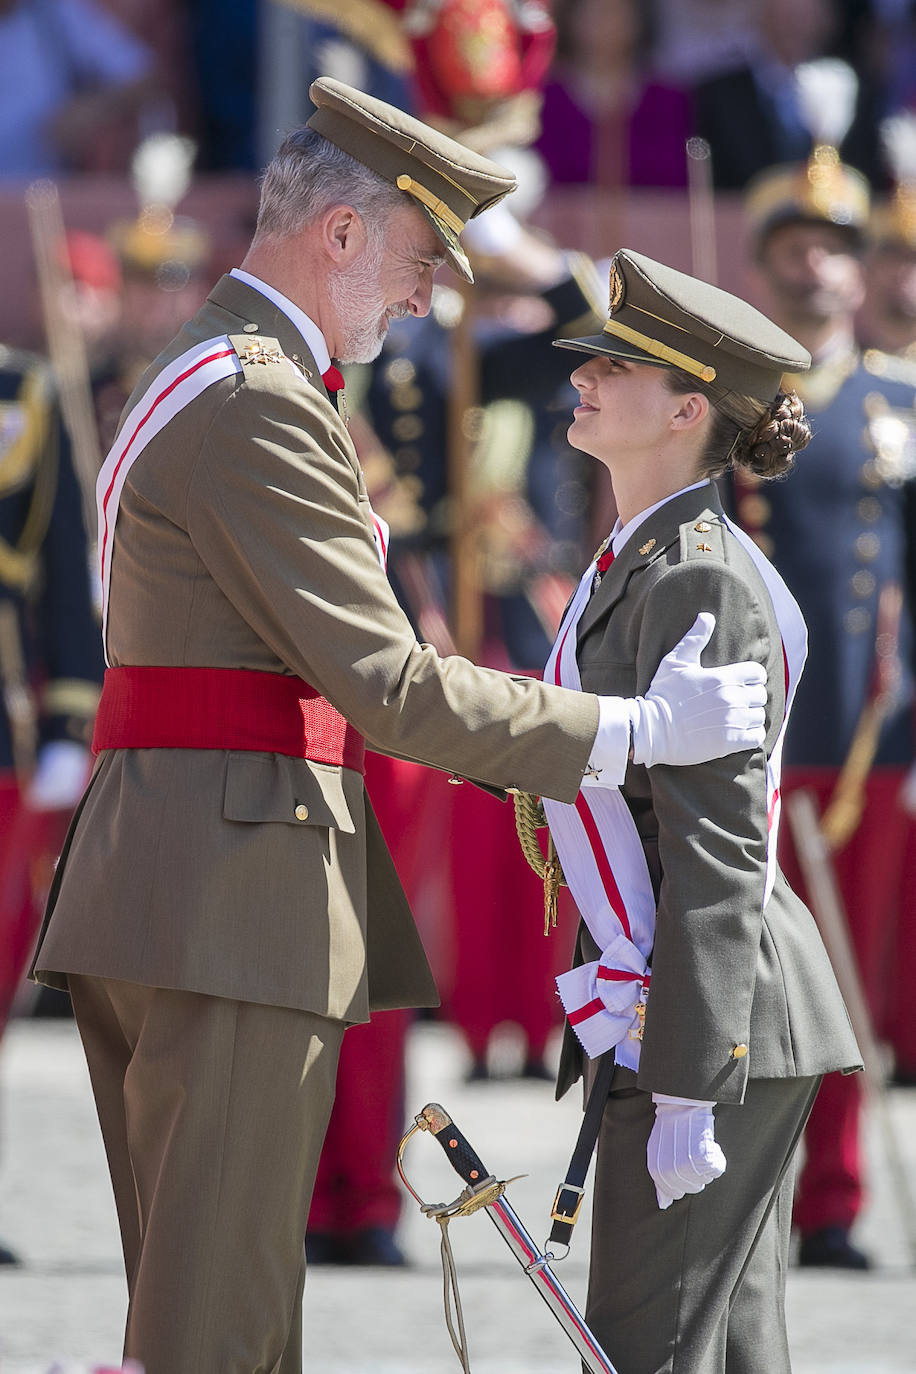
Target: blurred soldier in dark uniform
x,y
50,654
887,321
838,532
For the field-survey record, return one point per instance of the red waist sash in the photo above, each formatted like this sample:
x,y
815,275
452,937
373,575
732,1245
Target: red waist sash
x,y
222,708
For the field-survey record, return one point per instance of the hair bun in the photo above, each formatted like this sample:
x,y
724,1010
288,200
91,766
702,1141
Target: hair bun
x,y
768,449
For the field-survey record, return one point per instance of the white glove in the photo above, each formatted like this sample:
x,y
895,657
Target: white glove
x,y
691,714
60,776
682,1155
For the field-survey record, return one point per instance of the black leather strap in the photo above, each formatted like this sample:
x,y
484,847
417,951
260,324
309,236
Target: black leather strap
x,y
569,1196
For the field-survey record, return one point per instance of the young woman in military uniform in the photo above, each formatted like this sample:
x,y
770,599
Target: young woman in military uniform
x,y
697,969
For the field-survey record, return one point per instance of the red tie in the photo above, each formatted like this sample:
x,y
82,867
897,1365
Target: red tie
x,y
605,561
333,379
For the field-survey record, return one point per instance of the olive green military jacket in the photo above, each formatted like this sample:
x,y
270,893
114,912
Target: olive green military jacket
x,y
725,971
244,541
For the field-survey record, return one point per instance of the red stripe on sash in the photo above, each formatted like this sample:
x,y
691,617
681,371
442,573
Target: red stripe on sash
x,y
201,362
590,1009
605,872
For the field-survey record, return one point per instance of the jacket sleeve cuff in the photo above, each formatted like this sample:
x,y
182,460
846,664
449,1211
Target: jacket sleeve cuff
x,y
611,750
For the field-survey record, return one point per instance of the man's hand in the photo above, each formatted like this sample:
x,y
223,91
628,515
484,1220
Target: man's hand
x,y
682,1154
691,714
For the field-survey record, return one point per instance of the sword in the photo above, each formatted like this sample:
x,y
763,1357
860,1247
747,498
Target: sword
x,y
484,1192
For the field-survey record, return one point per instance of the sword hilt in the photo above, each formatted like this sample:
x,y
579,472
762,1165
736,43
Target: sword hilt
x,y
462,1157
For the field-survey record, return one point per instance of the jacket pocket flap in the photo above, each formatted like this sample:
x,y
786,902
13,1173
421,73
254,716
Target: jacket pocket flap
x,y
272,787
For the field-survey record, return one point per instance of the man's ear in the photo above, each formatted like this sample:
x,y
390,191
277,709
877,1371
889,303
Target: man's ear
x,y
693,407
343,235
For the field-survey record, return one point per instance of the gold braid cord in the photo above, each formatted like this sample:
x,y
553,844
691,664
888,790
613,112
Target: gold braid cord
x,y
529,818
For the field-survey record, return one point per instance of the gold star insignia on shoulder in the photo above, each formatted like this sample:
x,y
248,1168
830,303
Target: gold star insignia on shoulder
x,y
647,547
704,548
702,527
257,352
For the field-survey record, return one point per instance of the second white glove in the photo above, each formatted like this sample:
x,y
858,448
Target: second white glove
x,y
682,1155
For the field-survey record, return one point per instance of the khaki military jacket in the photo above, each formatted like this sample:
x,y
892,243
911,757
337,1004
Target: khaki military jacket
x,y
244,541
725,972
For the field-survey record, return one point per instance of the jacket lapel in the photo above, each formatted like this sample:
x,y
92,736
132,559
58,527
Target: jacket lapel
x,y
647,544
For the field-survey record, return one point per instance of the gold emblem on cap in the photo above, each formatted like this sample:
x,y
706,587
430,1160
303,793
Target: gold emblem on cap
x,y
647,547
702,527
434,205
615,286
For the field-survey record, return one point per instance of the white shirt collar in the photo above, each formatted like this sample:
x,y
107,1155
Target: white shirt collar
x,y
620,534
306,327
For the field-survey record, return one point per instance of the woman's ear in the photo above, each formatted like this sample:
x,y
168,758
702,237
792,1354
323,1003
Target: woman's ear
x,y
693,407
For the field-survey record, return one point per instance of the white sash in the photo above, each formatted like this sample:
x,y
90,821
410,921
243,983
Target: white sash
x,y
603,858
175,387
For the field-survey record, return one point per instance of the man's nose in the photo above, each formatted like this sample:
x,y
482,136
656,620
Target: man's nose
x,y
418,302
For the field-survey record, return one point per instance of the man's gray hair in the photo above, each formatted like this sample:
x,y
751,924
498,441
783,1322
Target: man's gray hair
x,y
308,175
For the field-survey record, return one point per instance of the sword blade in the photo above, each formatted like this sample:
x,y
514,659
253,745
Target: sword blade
x,y
537,1267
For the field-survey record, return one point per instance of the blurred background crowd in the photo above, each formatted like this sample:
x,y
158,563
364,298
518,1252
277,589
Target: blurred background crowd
x,y
767,145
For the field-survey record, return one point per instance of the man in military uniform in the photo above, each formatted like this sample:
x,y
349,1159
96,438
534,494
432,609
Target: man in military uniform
x,y
225,905
50,661
838,532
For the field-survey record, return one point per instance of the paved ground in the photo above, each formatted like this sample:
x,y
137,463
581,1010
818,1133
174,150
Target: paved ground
x,y
67,1301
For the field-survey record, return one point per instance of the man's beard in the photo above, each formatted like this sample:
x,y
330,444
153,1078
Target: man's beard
x,y
360,311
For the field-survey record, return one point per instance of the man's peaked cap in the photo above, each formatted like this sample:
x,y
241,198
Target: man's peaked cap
x,y
448,182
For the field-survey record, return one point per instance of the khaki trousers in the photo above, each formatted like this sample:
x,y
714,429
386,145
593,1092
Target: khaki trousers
x,y
698,1288
213,1113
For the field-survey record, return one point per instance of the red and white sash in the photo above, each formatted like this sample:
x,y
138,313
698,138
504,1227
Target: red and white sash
x,y
176,386
603,858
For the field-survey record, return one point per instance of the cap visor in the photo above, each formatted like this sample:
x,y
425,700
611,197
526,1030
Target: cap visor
x,y
453,249
610,347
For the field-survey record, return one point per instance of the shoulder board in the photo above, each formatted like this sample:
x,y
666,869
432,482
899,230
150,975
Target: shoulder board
x,y
263,356
891,366
256,350
702,538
